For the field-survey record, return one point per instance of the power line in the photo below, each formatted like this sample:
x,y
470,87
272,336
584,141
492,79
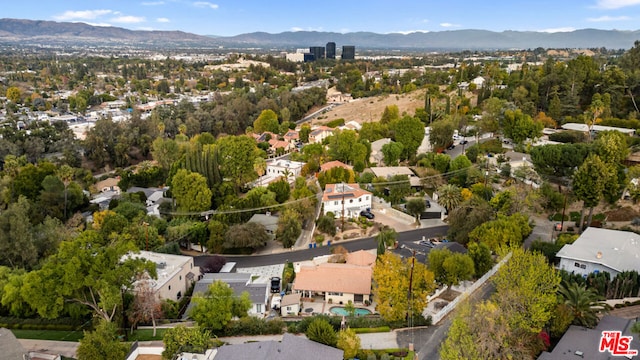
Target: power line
x,y
239,211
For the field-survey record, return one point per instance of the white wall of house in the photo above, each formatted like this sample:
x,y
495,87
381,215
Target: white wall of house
x,y
352,206
337,298
584,268
177,284
290,310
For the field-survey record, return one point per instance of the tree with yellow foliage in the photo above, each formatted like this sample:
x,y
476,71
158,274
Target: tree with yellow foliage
x,y
391,286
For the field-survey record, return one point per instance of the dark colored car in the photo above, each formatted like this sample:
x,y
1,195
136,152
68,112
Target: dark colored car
x,y
427,203
368,214
451,147
275,284
463,142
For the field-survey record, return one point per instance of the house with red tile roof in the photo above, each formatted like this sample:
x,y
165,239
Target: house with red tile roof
x,y
337,283
347,198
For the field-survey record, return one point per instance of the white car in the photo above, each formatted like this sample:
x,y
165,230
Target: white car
x,y
275,302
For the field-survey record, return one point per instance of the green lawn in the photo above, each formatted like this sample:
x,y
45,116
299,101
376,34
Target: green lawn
x,y
138,335
48,334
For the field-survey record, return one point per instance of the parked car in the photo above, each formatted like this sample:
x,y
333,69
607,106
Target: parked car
x,y
275,284
368,214
463,142
427,203
275,302
451,147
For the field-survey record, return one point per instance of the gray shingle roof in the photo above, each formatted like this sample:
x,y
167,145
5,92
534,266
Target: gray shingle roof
x,y
291,348
10,347
618,250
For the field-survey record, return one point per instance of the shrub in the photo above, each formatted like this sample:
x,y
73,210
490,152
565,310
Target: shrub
x,y
251,325
321,331
378,329
335,123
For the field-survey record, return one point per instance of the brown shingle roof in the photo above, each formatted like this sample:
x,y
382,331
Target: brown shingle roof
x,y
330,277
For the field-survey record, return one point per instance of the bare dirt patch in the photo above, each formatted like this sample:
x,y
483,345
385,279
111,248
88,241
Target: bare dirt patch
x,y
370,109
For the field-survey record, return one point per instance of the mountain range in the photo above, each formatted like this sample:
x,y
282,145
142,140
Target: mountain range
x,y
36,31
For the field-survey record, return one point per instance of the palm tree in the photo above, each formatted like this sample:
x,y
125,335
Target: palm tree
x,y
449,196
585,304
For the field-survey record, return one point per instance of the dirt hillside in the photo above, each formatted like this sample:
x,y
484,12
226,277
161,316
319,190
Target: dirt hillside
x,y
371,108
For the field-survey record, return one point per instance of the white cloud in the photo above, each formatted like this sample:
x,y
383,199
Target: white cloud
x,y
449,25
152,3
556,30
99,24
128,19
296,28
205,4
616,4
70,15
409,32
163,20
607,18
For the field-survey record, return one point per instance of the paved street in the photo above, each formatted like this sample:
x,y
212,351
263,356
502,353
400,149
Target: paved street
x,y
308,254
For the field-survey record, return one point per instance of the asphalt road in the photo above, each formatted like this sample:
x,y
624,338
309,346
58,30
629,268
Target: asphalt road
x,y
427,340
308,254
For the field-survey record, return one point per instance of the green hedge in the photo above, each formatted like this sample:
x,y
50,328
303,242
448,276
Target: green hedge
x,y
335,123
253,326
62,324
378,329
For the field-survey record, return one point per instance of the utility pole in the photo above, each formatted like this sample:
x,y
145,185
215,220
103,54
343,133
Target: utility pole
x,y
342,206
409,302
146,233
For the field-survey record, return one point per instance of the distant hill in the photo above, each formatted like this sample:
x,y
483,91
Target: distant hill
x,y
35,31
18,30
455,39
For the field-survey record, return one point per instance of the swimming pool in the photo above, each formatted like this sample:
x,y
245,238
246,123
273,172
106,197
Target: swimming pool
x,y
340,310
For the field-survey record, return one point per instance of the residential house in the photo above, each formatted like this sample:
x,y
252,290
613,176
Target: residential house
x,y
336,283
335,163
290,348
270,222
425,145
239,282
597,128
176,273
283,168
317,135
275,144
583,343
351,125
291,304
388,172
599,250
478,81
154,197
292,136
376,156
108,184
346,200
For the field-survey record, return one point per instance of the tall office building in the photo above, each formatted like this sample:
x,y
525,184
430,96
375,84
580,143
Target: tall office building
x,y
331,50
317,51
348,52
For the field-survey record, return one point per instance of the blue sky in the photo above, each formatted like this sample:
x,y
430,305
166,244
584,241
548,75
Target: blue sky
x,y
233,17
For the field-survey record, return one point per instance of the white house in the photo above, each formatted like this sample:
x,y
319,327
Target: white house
x,y
598,250
291,304
176,273
282,168
478,81
349,198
